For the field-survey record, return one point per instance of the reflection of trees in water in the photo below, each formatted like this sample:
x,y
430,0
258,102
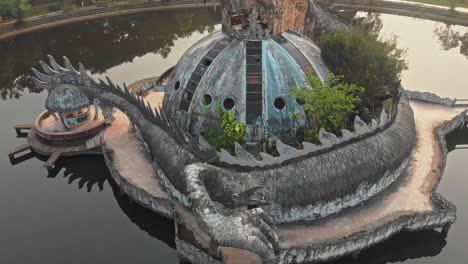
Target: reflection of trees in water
x,y
101,44
450,39
90,171
446,35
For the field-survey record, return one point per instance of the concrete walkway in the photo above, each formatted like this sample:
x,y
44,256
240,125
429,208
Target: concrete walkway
x,y
409,195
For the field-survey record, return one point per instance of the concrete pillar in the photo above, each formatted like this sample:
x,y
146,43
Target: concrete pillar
x,y
62,119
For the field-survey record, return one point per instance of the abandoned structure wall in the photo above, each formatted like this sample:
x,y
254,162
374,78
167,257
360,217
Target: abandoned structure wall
x,y
260,19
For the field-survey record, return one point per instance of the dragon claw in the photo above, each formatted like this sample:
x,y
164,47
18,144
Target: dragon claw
x,y
252,230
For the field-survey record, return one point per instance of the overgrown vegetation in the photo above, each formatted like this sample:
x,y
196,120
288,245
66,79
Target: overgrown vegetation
x,y
17,9
229,132
367,61
327,106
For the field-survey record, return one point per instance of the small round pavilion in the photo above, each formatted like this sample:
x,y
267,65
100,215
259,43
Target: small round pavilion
x,y
70,104
69,115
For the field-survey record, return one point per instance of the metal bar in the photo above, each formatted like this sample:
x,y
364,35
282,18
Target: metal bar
x,y
18,149
24,126
20,127
50,163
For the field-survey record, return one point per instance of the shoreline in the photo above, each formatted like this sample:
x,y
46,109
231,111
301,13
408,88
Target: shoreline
x,y
55,20
402,8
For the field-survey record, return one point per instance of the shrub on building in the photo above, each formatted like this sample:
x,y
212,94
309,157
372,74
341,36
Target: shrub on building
x,y
229,132
330,106
364,59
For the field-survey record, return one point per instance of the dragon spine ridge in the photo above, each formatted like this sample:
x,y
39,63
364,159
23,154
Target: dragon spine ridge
x,y
57,73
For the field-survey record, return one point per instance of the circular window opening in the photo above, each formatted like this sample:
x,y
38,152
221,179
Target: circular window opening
x,y
279,103
229,103
207,99
176,86
300,101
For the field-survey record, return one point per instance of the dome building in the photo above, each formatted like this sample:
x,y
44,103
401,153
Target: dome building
x,y
249,68
71,104
70,117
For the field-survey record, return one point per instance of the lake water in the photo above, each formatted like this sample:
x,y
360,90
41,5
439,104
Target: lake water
x,y
79,216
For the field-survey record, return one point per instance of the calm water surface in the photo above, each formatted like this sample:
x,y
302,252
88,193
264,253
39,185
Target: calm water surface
x,y
78,215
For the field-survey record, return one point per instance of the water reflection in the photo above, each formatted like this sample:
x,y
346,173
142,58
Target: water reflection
x,y
101,44
431,67
107,43
91,171
451,39
448,37
401,247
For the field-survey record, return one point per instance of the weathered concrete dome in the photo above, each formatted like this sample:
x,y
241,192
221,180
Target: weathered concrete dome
x,y
251,78
66,98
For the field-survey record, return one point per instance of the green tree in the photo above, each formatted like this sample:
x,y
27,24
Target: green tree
x,y
18,9
454,4
365,60
329,106
229,132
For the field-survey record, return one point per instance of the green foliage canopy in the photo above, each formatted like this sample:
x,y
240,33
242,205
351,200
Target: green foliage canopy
x,y
18,9
455,3
329,106
229,133
362,59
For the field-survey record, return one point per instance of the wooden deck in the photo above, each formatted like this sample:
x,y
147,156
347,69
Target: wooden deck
x,y
20,129
17,150
50,163
461,103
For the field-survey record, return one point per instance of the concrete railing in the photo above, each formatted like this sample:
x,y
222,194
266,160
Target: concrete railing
x,y
441,14
461,102
443,216
89,11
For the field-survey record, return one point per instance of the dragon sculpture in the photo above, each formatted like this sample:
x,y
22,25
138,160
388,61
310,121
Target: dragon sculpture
x,y
239,206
